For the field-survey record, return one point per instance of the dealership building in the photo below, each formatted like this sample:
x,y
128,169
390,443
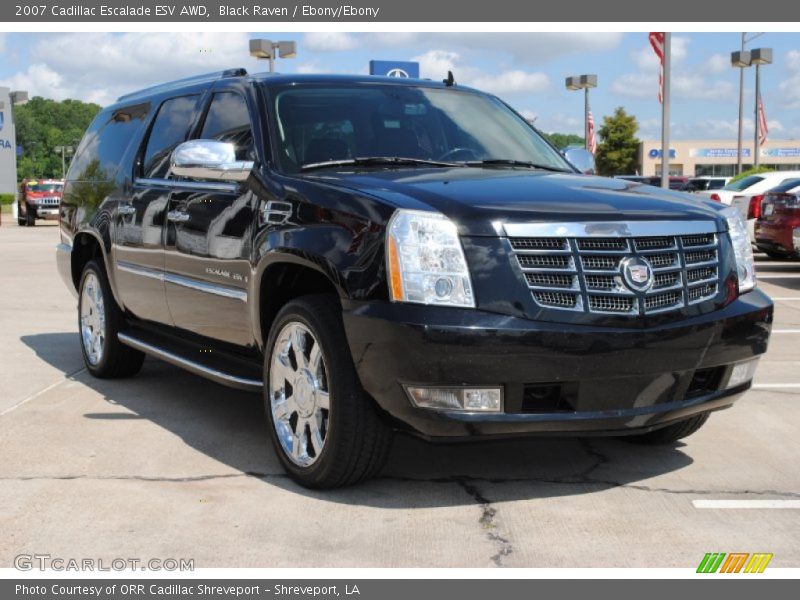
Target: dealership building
x,y
716,157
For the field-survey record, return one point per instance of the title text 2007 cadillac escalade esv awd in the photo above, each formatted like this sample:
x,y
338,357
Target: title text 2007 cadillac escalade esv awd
x,y
377,254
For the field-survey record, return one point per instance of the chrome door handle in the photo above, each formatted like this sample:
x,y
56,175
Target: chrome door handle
x,y
177,216
126,209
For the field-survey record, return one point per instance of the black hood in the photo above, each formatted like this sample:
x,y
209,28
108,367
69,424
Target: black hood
x,y
477,200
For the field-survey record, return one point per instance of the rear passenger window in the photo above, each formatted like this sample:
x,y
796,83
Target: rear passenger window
x,y
169,129
228,121
103,146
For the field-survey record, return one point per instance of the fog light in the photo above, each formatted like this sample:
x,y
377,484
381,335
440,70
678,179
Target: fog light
x,y
796,239
742,372
457,398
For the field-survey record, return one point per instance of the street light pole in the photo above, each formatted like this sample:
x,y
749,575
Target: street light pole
x,y
759,56
665,112
261,48
583,82
744,61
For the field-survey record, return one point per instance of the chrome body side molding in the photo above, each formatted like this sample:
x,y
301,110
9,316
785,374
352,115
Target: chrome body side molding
x,y
187,282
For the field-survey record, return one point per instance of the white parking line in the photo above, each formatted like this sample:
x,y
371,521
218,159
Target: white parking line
x,y
786,276
786,331
786,298
773,386
35,395
746,504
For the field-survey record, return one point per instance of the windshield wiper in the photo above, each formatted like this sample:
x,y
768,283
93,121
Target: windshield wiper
x,y
378,161
510,162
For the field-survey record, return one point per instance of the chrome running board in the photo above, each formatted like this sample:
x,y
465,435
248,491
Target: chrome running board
x,y
193,366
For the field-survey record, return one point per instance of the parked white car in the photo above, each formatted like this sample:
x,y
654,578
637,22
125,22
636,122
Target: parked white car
x,y
751,185
749,202
705,183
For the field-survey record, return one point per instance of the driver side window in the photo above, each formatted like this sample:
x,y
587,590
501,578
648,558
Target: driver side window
x,y
228,120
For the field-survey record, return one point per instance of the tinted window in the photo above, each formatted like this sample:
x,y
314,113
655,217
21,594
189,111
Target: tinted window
x,y
100,152
228,121
716,184
743,184
169,129
318,124
786,186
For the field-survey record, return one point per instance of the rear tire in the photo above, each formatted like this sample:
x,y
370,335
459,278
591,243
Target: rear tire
x,y
21,221
671,433
308,367
99,321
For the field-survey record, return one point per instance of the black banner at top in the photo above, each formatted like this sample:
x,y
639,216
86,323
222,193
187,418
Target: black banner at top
x,y
281,11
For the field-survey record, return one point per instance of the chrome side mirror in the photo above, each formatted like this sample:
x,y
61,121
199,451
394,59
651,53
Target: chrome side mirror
x,y
209,160
581,159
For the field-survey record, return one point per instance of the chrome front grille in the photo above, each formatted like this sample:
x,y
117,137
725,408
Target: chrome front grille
x,y
586,273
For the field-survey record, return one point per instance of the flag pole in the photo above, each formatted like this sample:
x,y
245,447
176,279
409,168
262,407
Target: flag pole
x,y
757,138
665,113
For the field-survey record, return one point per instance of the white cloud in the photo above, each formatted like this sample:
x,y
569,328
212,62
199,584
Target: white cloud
x,y
793,60
716,64
561,122
512,82
309,67
99,67
436,63
725,129
525,49
329,41
645,57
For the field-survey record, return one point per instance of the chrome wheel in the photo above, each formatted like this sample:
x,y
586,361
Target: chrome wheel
x,y
299,394
92,319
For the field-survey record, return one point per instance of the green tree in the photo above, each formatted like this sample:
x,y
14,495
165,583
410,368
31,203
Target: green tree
x,y
753,171
565,140
618,150
43,124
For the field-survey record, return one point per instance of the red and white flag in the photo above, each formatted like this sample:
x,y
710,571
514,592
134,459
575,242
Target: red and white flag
x,y
763,130
591,142
657,42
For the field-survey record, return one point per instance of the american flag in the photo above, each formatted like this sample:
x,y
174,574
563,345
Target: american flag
x,y
591,141
657,42
763,130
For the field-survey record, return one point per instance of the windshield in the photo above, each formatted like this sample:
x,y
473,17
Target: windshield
x,y
44,187
743,184
319,124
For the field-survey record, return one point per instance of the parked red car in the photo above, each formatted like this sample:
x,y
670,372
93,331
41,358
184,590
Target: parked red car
x,y
777,229
38,199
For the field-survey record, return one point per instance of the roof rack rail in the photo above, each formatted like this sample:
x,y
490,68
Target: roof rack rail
x,y
237,72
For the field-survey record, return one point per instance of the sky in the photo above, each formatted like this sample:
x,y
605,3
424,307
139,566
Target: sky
x,y
525,69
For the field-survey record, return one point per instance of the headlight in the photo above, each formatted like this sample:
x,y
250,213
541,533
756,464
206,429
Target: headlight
x,y
425,261
743,251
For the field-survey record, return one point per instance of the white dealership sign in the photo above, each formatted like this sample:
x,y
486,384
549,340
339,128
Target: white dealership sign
x,y
8,145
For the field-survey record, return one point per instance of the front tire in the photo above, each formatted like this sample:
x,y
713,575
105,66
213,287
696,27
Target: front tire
x,y
99,321
30,217
326,431
671,433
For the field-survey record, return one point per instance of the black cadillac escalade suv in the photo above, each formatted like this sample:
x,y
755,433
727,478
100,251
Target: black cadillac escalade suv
x,y
376,254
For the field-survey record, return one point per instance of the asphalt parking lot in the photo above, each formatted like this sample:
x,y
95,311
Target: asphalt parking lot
x,y
168,465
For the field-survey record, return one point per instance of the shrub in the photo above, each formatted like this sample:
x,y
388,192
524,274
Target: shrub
x,y
6,199
753,171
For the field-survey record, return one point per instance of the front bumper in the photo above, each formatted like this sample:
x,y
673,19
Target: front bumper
x,y
608,380
48,214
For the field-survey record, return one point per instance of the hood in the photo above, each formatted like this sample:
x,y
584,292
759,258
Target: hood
x,y
477,200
